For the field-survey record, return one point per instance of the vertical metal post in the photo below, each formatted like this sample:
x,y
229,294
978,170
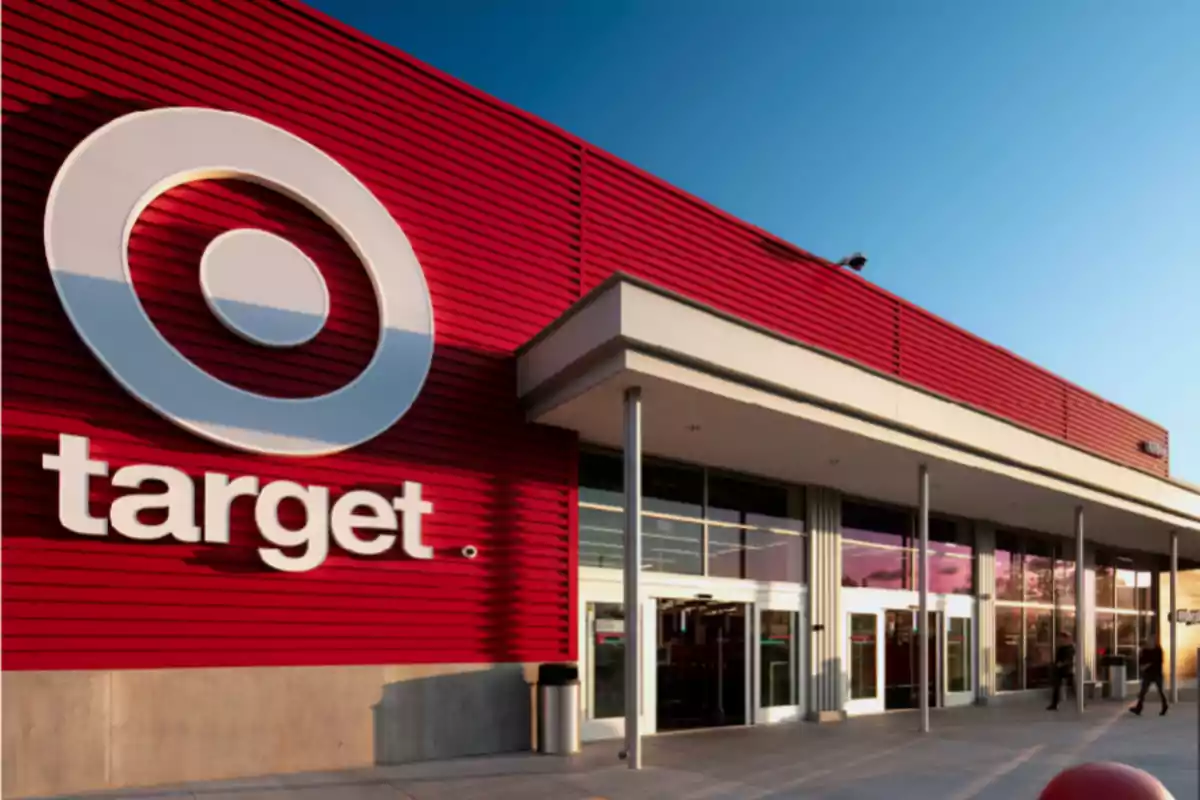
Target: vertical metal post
x,y
704,532
1080,610
633,579
1171,618
923,589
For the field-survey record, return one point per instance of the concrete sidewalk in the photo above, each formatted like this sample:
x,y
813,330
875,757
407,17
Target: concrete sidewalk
x,y
973,753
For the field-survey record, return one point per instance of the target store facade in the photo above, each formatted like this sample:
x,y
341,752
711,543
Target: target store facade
x,y
322,374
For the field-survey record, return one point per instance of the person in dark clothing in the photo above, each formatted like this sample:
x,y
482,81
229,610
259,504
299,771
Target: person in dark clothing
x,y
1150,665
1064,669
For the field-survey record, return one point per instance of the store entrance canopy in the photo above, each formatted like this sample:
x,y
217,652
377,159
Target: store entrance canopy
x,y
722,392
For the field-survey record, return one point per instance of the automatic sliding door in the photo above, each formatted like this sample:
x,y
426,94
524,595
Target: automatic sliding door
x,y
902,660
701,675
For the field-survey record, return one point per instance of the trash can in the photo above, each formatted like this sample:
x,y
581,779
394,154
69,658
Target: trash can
x,y
1117,687
558,709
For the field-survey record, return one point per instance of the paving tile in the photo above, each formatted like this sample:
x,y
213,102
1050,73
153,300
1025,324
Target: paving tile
x,y
970,754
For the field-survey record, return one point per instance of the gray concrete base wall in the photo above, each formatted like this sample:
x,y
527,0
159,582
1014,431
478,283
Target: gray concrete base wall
x,y
75,731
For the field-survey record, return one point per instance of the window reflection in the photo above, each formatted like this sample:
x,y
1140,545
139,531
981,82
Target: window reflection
x,y
1064,581
1032,582
754,532
601,538
761,547
672,546
667,545
1064,622
876,567
601,479
1127,637
958,655
777,658
1144,591
1039,647
1106,584
876,524
880,551
756,554
1009,577
608,659
876,547
864,681
1106,632
672,489
951,562
1039,572
1008,649
1126,584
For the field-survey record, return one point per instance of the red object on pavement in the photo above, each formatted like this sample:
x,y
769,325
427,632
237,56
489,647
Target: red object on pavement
x,y
1105,779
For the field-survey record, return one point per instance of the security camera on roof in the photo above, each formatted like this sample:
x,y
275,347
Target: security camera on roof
x,y
855,261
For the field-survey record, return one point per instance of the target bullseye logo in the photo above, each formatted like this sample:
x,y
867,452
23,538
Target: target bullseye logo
x,y
257,284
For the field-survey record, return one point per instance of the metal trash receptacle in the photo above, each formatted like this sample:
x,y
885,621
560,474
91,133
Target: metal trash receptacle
x,y
558,709
1118,689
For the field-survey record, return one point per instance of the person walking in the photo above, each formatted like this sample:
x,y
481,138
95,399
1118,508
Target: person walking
x,y
1150,665
1064,669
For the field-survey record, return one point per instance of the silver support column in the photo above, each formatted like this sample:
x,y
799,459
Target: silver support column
x,y
1080,610
923,588
1171,618
633,577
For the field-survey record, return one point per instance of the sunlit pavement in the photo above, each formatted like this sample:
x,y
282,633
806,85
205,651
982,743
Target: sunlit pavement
x,y
989,754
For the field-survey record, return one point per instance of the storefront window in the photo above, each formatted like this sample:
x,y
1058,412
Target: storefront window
x,y
1009,577
601,480
761,555
875,567
1008,649
766,545
863,655
601,538
1064,622
1039,572
1106,631
1127,637
778,658
951,558
670,545
863,522
1064,582
1126,606
1039,647
1127,589
1106,584
877,547
672,489
1145,591
755,529
1147,629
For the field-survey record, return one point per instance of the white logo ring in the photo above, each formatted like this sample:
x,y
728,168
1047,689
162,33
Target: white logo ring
x,y
102,189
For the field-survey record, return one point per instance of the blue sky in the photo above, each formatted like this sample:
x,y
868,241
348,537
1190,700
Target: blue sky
x,y
1028,170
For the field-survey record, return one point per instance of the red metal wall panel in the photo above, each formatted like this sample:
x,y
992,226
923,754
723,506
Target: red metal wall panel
x,y
512,221
489,202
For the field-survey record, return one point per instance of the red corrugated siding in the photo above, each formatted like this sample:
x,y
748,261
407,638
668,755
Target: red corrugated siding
x,y
489,202
512,221
635,223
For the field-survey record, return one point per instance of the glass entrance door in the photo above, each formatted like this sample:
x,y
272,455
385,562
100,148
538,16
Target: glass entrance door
x,y
777,679
701,675
902,649
602,645
960,660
